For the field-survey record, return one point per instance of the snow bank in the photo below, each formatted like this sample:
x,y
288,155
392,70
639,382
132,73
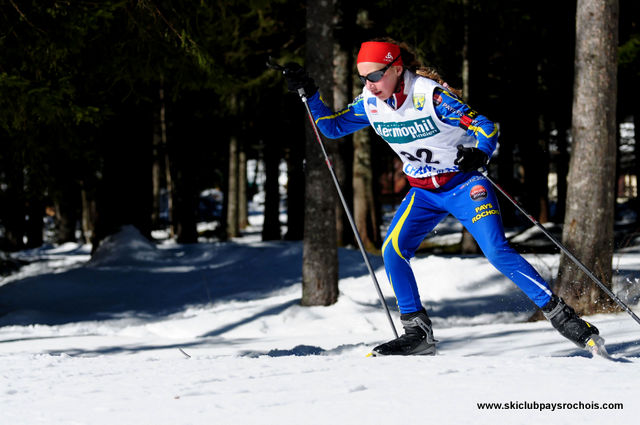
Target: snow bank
x,y
124,247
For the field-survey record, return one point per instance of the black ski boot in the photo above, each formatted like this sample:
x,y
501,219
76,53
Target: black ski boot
x,y
567,322
417,339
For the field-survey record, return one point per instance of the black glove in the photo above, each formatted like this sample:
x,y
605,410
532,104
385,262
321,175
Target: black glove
x,y
297,78
470,159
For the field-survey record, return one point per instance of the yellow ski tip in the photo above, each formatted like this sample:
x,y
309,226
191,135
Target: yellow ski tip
x,y
370,355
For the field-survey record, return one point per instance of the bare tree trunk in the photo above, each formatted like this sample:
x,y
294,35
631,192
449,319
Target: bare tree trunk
x,y
167,164
588,225
320,254
233,228
156,185
156,167
186,206
158,172
66,216
243,208
335,148
364,208
233,225
168,177
89,211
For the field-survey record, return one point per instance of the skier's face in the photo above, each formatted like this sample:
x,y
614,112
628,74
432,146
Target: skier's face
x,y
385,87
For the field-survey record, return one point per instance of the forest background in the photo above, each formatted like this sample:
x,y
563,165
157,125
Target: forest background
x,y
124,112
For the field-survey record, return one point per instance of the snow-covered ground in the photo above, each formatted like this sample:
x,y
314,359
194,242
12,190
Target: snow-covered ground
x,y
214,334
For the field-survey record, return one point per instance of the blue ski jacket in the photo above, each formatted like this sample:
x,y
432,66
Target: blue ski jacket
x,y
449,109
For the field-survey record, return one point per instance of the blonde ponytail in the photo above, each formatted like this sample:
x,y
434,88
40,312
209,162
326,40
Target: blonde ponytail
x,y
432,74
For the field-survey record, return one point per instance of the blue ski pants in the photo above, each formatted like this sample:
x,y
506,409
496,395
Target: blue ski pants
x,y
470,198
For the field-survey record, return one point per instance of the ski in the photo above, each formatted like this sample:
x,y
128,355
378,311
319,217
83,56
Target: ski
x,y
596,347
431,351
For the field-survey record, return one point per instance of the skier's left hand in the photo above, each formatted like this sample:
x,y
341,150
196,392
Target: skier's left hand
x,y
469,159
297,78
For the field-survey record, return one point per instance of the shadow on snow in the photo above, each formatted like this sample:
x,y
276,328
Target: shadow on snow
x,y
147,282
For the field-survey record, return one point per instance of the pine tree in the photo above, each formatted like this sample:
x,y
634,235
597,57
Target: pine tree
x,y
588,225
320,254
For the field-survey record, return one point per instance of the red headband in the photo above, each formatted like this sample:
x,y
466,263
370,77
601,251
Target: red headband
x,y
379,52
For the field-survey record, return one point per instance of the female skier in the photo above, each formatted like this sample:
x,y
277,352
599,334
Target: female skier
x,y
442,142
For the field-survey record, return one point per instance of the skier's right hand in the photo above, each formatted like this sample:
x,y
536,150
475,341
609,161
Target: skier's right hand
x,y
297,78
469,159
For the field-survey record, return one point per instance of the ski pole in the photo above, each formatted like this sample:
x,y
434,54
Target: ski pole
x,y
303,97
564,250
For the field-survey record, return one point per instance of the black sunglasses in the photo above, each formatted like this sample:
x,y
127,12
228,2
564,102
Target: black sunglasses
x,y
376,76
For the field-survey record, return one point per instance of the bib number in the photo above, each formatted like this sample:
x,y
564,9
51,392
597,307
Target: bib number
x,y
422,155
